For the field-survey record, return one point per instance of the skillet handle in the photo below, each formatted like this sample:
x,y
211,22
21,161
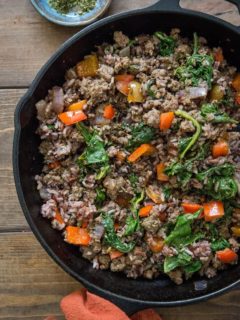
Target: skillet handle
x,y
174,5
166,5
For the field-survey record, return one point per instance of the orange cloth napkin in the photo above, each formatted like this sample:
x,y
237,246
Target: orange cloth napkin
x,y
83,305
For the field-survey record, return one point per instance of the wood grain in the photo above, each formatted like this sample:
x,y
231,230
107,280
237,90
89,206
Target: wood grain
x,y
11,216
31,283
31,286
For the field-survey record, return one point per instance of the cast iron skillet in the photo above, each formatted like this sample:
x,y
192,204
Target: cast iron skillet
x,y
129,294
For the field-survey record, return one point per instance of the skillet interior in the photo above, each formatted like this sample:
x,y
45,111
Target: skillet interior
x,y
28,162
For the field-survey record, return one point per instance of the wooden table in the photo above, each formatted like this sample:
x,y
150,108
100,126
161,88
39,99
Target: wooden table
x,y
31,284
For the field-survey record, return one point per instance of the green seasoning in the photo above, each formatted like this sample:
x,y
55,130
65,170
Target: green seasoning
x,y
78,6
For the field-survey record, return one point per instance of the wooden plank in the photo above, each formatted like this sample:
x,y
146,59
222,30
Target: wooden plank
x,y
11,216
221,8
28,40
31,286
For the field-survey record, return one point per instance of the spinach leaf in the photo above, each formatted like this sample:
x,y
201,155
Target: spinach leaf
x,y
94,152
193,267
183,143
198,67
141,133
181,260
100,197
217,116
167,193
132,221
182,232
196,135
220,244
51,126
225,170
218,182
149,91
167,44
110,236
182,170
133,178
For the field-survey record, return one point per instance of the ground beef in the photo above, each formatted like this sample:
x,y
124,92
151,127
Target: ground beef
x,y
137,205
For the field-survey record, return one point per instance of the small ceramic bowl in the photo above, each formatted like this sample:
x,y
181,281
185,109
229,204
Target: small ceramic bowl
x,y
70,19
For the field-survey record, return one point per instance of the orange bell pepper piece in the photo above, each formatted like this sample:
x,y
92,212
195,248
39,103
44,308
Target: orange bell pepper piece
x,y
156,244
114,254
144,150
54,165
109,112
220,149
77,236
88,67
122,83
236,82
218,55
145,211
161,176
237,98
166,120
213,210
191,207
77,105
71,117
227,255
58,217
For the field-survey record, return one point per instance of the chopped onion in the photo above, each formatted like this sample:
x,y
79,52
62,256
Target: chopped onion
x,y
41,109
193,92
125,52
57,102
98,231
99,119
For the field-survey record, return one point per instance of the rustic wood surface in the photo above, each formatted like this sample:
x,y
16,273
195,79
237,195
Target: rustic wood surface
x,y
31,284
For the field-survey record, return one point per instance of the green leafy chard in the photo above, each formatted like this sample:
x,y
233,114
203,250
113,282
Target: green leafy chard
x,y
141,133
132,221
198,67
100,197
183,143
167,44
194,138
133,178
110,236
149,91
181,260
220,244
182,234
218,182
192,267
167,192
211,113
184,170
94,152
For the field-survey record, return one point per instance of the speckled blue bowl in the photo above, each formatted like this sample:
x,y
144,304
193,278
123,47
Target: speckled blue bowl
x,y
71,19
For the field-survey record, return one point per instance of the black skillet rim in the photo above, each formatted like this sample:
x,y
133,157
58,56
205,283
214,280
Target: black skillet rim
x,y
17,133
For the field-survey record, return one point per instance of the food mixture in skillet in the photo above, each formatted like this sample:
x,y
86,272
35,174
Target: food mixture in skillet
x,y
141,157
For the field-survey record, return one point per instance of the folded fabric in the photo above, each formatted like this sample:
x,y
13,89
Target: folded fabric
x,y
83,305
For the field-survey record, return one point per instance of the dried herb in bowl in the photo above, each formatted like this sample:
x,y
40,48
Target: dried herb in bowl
x,y
78,6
